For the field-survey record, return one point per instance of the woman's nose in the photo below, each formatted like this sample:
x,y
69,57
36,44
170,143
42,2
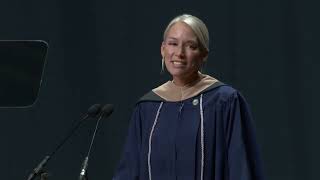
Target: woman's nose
x,y
180,51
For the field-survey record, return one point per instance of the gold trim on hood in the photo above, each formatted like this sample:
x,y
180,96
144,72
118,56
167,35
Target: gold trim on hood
x,y
171,92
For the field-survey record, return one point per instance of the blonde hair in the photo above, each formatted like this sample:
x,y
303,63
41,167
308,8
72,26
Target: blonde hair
x,y
198,27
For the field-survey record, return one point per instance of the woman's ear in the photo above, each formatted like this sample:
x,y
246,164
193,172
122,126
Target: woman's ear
x,y
204,56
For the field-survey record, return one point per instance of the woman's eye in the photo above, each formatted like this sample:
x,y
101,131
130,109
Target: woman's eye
x,y
193,47
172,43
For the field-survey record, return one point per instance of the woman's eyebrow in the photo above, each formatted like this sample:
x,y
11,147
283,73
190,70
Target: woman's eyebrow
x,y
188,41
171,38
192,41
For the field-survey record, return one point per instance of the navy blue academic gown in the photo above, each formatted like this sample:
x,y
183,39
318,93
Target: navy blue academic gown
x,y
230,149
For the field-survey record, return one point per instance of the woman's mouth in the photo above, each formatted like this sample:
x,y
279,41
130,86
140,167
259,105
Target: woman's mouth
x,y
177,63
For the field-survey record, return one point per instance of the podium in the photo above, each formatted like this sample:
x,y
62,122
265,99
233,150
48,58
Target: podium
x,y
21,69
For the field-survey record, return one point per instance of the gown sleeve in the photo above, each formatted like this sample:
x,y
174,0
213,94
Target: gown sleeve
x,y
243,159
128,168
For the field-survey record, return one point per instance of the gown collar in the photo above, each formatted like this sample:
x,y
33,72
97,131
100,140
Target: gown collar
x,y
173,93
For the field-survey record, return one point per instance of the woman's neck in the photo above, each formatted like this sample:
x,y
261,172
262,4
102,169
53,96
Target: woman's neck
x,y
186,81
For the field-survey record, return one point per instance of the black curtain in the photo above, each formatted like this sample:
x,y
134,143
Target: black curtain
x,y
109,52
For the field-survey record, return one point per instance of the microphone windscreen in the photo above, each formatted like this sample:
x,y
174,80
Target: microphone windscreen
x,y
107,109
94,110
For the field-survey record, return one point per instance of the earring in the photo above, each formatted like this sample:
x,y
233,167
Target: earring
x,y
202,67
162,65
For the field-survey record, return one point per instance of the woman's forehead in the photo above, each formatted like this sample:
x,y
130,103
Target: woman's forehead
x,y
181,31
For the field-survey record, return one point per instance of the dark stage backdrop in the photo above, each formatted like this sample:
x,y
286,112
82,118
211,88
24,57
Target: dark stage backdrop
x,y
109,52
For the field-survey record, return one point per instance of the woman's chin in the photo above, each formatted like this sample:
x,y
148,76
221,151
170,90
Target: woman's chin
x,y
177,73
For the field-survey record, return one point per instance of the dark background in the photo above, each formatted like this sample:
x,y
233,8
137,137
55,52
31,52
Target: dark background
x,y
109,52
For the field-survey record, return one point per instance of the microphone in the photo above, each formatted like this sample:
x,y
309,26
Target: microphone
x,y
93,112
106,111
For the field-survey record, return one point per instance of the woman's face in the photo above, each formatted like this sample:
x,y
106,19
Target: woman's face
x,y
181,51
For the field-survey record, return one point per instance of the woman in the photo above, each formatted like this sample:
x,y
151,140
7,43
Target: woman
x,y
193,127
